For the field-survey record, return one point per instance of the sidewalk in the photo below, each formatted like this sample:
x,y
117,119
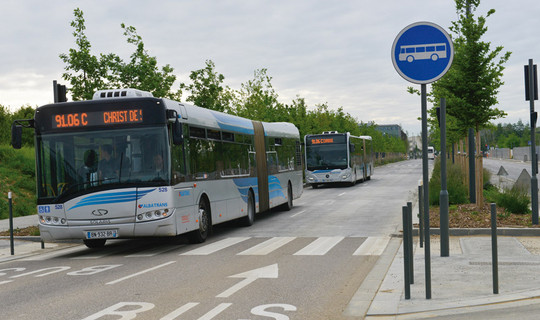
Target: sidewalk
x,y
23,246
462,282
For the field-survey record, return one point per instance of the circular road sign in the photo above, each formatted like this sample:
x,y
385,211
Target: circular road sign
x,y
422,52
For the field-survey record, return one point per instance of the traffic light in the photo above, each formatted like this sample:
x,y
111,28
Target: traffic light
x,y
59,91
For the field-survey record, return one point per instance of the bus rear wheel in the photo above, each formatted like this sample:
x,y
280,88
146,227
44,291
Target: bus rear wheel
x,y
250,217
200,235
94,243
289,204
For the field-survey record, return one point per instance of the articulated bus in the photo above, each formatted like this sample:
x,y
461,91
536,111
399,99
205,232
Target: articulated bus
x,y
333,157
126,164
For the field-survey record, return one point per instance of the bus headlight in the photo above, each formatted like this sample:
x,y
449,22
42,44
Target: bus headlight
x,y
345,176
153,215
48,220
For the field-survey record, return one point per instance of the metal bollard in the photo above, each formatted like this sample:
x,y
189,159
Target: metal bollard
x,y
494,256
420,217
406,263
12,246
411,249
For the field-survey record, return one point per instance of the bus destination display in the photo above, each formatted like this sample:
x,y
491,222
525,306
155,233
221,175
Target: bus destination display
x,y
316,140
97,118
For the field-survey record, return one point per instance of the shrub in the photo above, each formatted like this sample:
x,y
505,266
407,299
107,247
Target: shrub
x,y
514,200
457,190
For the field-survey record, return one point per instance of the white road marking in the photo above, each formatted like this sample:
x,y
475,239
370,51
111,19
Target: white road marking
x,y
153,251
268,272
373,246
214,247
267,247
319,247
141,272
298,213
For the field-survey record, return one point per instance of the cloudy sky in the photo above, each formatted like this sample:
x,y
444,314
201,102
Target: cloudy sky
x,y
336,52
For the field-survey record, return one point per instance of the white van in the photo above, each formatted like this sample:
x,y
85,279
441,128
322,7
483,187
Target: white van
x,y
431,153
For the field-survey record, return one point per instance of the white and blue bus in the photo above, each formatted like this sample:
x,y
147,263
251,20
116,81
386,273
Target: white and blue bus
x,y
333,157
127,164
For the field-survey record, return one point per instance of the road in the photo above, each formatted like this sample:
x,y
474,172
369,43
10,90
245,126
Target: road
x,y
306,263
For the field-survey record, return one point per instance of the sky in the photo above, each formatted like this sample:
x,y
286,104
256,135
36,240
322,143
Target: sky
x,y
334,52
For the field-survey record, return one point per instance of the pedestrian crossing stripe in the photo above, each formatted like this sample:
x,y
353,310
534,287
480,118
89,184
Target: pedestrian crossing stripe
x,y
371,246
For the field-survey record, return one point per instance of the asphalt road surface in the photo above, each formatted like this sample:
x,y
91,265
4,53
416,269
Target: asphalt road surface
x,y
305,263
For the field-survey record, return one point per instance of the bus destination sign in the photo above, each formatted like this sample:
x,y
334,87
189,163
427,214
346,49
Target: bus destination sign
x,y
96,118
321,140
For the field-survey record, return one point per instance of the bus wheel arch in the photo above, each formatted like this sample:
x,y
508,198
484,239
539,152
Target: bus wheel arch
x,y
204,218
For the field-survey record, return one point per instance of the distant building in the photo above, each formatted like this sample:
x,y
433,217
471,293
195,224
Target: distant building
x,y
392,130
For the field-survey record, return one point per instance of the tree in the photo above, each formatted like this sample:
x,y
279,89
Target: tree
x,y
87,73
257,99
472,83
207,90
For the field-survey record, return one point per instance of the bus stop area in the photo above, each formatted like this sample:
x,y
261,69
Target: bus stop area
x,y
462,282
23,246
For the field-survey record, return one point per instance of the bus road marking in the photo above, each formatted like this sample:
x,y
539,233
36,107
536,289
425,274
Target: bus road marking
x,y
173,315
298,213
214,312
141,272
339,195
319,247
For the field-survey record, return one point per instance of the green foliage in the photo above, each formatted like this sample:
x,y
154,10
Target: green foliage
x,y
87,73
457,190
514,200
17,174
472,83
207,90
6,120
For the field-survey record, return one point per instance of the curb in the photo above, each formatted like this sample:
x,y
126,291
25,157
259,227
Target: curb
x,y
511,232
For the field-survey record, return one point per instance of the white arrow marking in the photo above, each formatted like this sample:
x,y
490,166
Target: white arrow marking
x,y
269,272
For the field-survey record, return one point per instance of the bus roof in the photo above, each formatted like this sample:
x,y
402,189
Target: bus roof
x,y
214,119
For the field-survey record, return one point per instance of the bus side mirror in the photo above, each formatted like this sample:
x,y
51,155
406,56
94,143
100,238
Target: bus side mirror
x,y
178,134
16,136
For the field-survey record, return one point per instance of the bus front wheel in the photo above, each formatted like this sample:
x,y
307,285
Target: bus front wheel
x,y
200,235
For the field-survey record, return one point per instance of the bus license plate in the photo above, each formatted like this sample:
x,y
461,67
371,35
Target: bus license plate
x,y
101,234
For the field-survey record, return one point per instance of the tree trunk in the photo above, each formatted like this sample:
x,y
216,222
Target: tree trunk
x,y
479,172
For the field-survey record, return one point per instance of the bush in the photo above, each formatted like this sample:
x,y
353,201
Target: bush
x,y
17,174
457,190
515,200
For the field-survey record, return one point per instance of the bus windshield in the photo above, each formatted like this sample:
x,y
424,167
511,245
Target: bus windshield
x,y
326,156
70,164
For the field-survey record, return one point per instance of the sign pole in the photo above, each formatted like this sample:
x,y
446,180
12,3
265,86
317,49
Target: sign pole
x,y
443,196
422,53
425,174
531,82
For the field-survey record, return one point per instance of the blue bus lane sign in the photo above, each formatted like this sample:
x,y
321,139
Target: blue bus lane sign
x,y
422,52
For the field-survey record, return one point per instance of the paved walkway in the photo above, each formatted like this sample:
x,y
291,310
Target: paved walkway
x,y
24,246
462,282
